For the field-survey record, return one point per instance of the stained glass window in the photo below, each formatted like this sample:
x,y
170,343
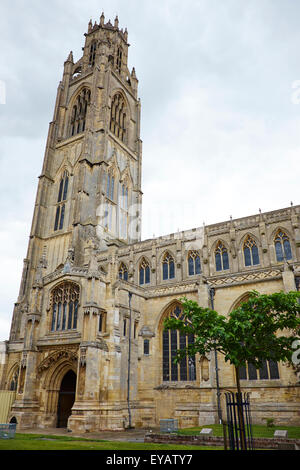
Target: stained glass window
x,y
144,272
64,306
194,264
250,249
168,267
173,340
282,246
123,272
221,257
268,371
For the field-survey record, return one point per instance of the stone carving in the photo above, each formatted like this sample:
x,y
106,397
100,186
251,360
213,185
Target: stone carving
x,y
56,356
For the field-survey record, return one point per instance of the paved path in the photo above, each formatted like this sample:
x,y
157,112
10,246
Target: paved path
x,y
129,435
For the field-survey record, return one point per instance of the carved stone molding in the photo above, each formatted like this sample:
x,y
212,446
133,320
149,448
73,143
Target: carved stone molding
x,y
56,356
245,277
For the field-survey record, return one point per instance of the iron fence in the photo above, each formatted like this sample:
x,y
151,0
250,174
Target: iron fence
x,y
239,424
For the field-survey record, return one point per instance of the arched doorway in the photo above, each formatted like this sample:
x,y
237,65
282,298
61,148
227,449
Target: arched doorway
x,y
66,398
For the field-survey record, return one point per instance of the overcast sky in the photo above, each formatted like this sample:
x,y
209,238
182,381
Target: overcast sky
x,y
218,82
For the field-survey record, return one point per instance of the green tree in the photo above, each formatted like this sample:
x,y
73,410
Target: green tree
x,y
262,328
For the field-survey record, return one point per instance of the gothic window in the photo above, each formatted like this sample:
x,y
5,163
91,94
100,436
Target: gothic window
x,y
92,55
173,340
79,112
118,116
62,196
146,347
194,263
282,246
144,272
119,59
109,206
14,381
102,322
168,267
110,186
221,257
268,371
250,252
123,207
64,305
123,272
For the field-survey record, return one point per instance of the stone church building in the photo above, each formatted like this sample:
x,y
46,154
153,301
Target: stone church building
x,y
87,349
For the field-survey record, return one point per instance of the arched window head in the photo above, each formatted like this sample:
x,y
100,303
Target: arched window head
x,y
221,257
119,59
62,196
79,112
174,340
168,266
64,304
194,263
123,272
250,250
144,272
92,54
282,246
118,116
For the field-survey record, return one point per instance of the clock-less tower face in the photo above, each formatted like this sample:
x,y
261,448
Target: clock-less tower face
x,y
90,187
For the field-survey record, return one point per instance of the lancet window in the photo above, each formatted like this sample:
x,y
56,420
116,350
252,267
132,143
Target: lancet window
x,y
168,267
221,257
282,246
62,196
194,264
173,340
144,272
79,112
250,251
118,116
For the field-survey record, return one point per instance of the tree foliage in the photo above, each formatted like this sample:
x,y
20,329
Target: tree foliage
x,y
262,328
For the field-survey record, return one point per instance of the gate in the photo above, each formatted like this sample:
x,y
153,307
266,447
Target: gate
x,y
239,421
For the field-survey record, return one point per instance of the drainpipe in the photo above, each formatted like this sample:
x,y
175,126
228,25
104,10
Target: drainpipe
x,y
129,357
212,294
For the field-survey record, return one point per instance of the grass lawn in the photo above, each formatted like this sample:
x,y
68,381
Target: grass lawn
x,y
50,442
258,430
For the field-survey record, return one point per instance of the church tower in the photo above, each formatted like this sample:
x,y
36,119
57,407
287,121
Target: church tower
x,y
90,186
88,201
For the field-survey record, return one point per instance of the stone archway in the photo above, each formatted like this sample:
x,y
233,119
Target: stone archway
x,y
51,372
66,398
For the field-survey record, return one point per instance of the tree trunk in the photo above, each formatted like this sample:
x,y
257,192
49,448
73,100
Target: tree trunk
x,y
240,409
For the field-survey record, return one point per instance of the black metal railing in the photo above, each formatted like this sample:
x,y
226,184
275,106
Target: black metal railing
x,y
239,426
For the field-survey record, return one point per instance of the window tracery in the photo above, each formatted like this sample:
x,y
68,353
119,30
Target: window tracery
x,y
221,257
79,112
62,197
282,246
168,266
194,264
118,116
64,303
250,250
173,340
